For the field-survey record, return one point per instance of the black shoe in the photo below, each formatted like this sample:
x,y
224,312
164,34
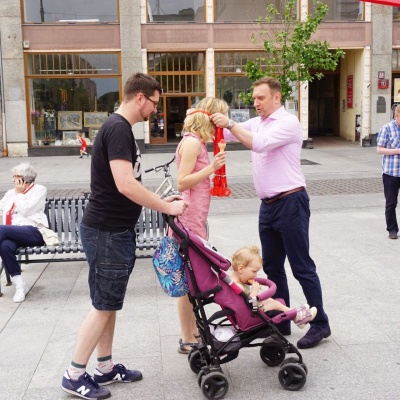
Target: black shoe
x,y
80,157
314,335
285,331
392,235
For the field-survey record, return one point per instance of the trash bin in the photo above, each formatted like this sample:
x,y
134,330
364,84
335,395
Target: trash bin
x,y
373,137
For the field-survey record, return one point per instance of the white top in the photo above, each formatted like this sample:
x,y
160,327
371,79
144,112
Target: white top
x,y
29,207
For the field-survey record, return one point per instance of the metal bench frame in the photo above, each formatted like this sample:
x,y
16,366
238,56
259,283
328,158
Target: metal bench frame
x,y
65,215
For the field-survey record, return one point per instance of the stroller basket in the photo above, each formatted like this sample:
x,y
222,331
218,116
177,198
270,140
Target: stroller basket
x,y
239,324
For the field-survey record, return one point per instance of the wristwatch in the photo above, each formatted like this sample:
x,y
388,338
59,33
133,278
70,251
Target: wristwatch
x,y
231,124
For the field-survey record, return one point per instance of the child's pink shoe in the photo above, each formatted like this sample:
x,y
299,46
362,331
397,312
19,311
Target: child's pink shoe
x,y
305,314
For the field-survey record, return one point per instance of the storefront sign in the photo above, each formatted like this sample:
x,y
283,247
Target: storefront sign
x,y
383,83
350,91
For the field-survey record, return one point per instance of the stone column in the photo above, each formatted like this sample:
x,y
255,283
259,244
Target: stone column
x,y
381,60
130,13
14,78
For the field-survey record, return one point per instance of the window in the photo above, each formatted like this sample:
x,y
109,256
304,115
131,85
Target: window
x,y
175,11
47,11
178,72
230,78
81,88
234,62
396,13
70,64
395,59
343,10
243,10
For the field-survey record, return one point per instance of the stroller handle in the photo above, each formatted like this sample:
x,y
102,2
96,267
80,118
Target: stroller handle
x,y
266,294
170,220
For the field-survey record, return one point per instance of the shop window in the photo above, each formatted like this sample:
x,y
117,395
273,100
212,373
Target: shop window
x,y
396,13
68,92
61,106
243,10
175,11
44,11
343,10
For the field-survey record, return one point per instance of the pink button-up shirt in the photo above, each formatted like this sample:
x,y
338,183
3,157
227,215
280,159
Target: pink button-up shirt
x,y
277,142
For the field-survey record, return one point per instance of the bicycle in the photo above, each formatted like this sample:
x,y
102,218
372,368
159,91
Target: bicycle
x,y
166,187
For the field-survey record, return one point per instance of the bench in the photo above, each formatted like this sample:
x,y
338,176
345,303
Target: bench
x,y
65,215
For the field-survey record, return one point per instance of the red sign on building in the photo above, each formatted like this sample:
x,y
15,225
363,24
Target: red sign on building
x,y
350,91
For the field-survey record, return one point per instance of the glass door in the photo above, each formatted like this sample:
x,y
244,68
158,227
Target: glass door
x,y
166,126
158,124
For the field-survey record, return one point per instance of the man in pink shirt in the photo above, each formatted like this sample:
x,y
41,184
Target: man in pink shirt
x,y
275,139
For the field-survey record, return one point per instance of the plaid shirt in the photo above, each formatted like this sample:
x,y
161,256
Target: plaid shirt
x,y
389,137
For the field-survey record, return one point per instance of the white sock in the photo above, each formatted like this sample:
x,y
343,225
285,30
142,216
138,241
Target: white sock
x,y
105,366
75,372
18,281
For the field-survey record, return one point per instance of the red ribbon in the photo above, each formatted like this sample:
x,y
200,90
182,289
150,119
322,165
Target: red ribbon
x,y
220,183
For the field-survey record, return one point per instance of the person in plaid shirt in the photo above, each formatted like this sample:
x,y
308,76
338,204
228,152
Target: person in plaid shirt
x,y
388,144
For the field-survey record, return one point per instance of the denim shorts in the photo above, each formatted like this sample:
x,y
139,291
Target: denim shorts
x,y
111,258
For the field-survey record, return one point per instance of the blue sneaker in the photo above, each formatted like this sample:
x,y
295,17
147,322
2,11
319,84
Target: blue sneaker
x,y
85,387
118,374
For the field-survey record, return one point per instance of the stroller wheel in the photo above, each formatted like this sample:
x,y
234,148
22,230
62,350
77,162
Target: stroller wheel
x,y
195,361
272,355
293,360
200,376
292,376
215,385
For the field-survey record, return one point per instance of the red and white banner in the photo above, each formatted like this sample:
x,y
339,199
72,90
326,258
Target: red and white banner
x,y
349,96
394,3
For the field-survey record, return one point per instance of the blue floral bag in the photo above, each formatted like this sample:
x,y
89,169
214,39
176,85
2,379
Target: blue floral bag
x,y
169,268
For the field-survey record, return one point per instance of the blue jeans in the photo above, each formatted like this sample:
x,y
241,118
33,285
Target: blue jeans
x,y
283,229
111,258
12,237
391,186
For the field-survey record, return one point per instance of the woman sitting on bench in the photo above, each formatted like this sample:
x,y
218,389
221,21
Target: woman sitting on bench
x,y
22,210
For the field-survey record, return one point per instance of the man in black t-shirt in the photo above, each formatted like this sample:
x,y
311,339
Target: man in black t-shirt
x,y
108,236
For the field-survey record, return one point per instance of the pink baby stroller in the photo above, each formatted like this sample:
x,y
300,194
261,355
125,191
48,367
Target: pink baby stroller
x,y
239,324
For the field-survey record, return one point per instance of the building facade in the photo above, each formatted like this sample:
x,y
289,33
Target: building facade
x,y
63,64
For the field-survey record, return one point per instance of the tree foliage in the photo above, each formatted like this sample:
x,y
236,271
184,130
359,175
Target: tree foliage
x,y
290,54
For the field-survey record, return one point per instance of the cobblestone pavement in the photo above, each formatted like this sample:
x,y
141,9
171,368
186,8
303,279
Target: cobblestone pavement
x,y
246,190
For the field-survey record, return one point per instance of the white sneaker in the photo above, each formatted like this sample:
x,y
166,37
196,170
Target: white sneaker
x,y
20,292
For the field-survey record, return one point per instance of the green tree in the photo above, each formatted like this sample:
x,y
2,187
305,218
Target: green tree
x,y
291,55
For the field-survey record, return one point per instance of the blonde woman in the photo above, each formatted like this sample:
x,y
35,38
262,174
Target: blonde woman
x,y
194,170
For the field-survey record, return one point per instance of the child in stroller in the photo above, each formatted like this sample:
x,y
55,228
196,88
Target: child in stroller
x,y
250,326
246,262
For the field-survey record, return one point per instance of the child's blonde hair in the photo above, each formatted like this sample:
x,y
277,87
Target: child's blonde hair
x,y
200,123
244,256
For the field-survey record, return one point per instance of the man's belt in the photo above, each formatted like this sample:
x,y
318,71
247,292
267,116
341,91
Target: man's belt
x,y
281,195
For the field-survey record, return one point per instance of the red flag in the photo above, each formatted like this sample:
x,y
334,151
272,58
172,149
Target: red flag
x,y
394,3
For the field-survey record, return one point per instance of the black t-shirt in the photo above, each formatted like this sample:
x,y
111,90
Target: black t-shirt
x,y
108,209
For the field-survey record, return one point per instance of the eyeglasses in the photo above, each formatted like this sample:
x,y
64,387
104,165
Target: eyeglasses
x,y
155,103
